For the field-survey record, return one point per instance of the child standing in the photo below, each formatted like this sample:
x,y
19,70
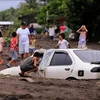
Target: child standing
x,y
32,46
13,49
63,44
82,37
51,33
1,47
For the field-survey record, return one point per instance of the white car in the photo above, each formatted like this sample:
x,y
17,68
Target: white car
x,y
66,64
70,64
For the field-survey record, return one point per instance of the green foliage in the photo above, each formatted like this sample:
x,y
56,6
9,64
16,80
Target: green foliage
x,y
55,8
75,12
39,30
81,12
7,15
6,39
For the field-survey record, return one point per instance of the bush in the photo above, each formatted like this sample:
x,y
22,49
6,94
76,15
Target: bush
x,y
6,39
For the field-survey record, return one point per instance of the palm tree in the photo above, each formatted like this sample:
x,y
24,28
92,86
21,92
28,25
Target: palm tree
x,y
32,3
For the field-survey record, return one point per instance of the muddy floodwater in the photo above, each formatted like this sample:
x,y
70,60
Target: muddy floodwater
x,y
48,89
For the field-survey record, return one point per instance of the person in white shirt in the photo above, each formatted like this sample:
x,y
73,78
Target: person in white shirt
x,y
63,44
23,37
51,33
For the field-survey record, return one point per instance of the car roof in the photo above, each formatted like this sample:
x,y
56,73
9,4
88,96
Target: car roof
x,y
52,50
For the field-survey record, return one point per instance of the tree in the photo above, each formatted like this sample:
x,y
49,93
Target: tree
x,y
55,10
32,3
7,15
81,12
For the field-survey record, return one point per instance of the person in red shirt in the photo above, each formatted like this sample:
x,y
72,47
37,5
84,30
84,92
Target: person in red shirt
x,y
62,29
13,49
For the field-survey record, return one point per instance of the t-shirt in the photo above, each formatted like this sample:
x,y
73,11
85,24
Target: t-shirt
x,y
27,62
63,44
31,29
23,34
1,43
51,31
62,29
13,43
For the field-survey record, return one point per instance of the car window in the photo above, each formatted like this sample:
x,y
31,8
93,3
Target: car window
x,y
88,55
60,58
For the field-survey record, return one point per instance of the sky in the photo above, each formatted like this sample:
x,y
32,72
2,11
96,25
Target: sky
x,y
5,4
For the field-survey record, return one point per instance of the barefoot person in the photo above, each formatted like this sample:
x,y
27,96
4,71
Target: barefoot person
x,y
29,65
23,37
82,38
63,44
13,49
32,46
1,47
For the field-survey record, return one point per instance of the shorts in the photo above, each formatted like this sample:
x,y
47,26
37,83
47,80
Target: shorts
x,y
27,68
14,55
23,47
51,37
31,50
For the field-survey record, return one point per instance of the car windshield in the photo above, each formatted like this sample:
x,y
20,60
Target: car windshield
x,y
88,55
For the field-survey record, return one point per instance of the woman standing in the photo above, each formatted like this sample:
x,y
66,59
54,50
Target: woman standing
x,y
82,38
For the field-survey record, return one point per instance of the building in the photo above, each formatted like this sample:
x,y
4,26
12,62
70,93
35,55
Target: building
x,y
6,24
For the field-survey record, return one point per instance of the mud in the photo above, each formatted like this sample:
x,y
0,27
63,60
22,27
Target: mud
x,y
48,89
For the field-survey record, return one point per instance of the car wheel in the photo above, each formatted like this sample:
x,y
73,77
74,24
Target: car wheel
x,y
71,78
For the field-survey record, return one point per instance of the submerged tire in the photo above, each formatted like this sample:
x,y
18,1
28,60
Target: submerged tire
x,y
71,78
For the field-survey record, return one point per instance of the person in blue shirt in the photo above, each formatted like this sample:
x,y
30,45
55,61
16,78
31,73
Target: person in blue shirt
x,y
31,29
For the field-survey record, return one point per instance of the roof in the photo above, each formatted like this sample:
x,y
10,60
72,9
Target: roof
x,y
6,22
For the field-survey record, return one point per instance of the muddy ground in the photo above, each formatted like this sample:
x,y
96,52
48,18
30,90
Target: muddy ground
x,y
49,89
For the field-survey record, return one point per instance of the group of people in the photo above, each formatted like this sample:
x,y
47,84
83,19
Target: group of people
x,y
63,43
23,40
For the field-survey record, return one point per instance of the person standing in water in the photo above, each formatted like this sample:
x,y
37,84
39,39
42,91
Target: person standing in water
x,y
82,38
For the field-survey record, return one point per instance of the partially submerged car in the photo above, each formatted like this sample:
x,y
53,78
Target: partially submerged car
x,y
70,63
66,64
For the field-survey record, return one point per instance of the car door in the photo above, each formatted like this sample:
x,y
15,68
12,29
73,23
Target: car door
x,y
60,67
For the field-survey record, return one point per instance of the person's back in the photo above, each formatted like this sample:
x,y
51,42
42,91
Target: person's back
x,y
29,65
62,29
27,62
31,29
